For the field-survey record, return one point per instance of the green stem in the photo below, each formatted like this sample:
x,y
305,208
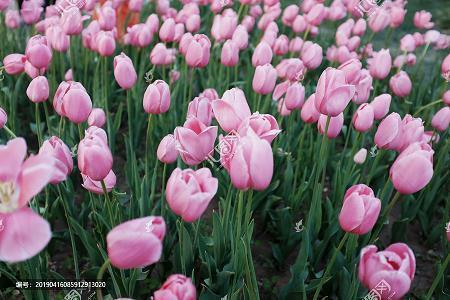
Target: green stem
x,y
108,201
38,123
438,277
80,131
100,277
147,148
9,131
427,106
384,216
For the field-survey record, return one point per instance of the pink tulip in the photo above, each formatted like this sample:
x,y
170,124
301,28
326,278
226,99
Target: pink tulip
x,y
223,26
167,151
105,43
136,243
58,40
413,168
96,186
96,117
12,18
295,96
432,36
38,52
240,37
289,14
441,119
124,71
400,84
3,118
195,141
157,98
193,23
351,69
14,63
332,92
71,21
360,156
198,51
69,75
31,71
231,110
107,17
249,23
264,125
4,4
230,54
72,101
311,55
360,27
167,30
407,43
161,56
299,24
445,67
176,287
38,89
296,44
309,113
264,79
380,105
56,148
94,156
422,20
201,108
291,69
446,97
210,94
189,192
135,5
335,126
251,165
281,45
363,87
395,265
380,64
397,16
360,210
363,118
25,232
389,133
30,11
316,15
379,20
262,54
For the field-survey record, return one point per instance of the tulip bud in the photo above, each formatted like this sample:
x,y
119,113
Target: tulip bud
x,y
334,127
38,89
360,156
264,79
167,151
38,52
441,119
198,51
380,64
157,98
363,118
380,105
400,84
124,71
230,54
309,113
14,63
56,148
97,117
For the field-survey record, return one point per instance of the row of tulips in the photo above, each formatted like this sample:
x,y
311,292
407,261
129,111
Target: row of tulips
x,y
183,136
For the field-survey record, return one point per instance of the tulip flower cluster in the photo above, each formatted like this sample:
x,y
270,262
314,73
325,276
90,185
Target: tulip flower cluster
x,y
199,149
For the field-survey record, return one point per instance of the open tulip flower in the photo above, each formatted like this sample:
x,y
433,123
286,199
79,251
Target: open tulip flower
x,y
198,149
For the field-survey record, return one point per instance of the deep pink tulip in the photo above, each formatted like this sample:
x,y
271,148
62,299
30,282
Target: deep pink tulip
x,y
379,19
231,110
38,52
176,287
335,126
413,168
309,113
380,105
157,98
56,148
94,156
251,165
360,210
400,84
167,151
441,119
14,63
332,92
262,54
198,51
380,64
311,55
363,118
422,20
189,192
230,54
96,186
264,125
38,89
97,117
264,79
136,243
395,265
124,71
201,108
3,118
25,232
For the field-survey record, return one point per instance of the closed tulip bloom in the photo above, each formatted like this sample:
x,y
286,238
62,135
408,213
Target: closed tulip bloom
x,y
289,14
135,5
68,76
136,243
413,168
77,105
157,98
360,27
195,141
422,20
413,130
94,156
96,186
363,87
167,30
58,40
311,55
309,113
12,19
389,133
198,51
380,105
351,69
262,55
395,265
71,21
201,108
379,20
31,71
231,110
31,12
105,43
291,69
332,92
335,126
56,148
264,125
230,54
360,210
193,23
251,166
248,22
3,118
296,44
281,46
107,17
38,89
189,192
38,52
380,64
397,16
360,156
4,4
97,117
24,232
407,43
167,151
441,119
14,63
446,97
124,71
264,79
299,24
363,118
240,37
295,96
400,84
316,15
161,56
176,287
210,94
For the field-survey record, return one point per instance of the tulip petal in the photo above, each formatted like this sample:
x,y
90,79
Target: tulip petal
x,y
11,158
225,115
352,213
